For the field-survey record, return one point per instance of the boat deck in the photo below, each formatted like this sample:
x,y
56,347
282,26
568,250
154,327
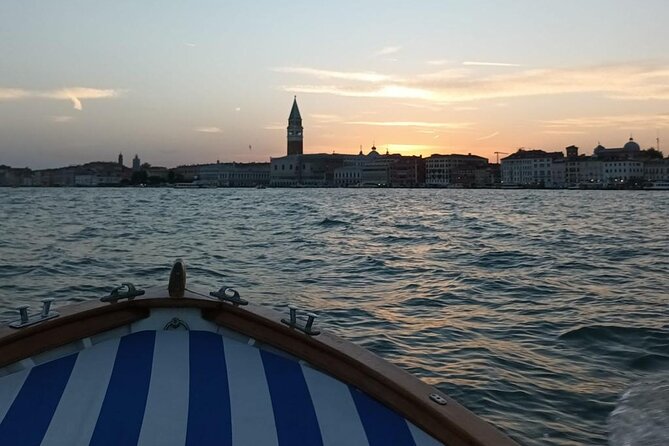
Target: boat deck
x,y
132,390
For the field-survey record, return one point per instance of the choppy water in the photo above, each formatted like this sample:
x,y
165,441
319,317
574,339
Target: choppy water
x,y
535,309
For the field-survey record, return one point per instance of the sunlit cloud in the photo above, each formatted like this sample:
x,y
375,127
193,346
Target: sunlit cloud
x,y
489,64
422,105
238,109
365,76
618,121
492,135
438,62
418,124
208,130
74,94
412,149
388,91
388,50
325,118
465,108
629,82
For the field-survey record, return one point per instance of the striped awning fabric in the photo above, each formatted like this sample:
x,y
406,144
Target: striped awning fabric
x,y
190,388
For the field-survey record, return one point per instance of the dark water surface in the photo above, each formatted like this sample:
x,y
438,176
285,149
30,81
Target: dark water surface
x,y
535,309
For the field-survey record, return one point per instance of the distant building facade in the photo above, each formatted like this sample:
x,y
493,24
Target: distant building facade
x,y
457,170
136,164
234,174
533,168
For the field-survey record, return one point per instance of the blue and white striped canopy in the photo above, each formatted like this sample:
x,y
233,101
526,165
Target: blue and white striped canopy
x,y
190,388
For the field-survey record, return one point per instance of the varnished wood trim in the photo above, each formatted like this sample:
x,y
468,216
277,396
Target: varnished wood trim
x,y
16,348
407,395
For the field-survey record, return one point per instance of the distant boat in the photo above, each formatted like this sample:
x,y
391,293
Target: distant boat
x,y
658,185
170,365
260,186
186,186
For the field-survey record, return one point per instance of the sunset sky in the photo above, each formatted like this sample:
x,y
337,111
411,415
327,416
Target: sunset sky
x,y
194,82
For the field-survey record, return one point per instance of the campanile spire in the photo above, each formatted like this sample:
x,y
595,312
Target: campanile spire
x,y
295,130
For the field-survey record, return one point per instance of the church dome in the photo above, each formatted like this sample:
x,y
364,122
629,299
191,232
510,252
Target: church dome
x,y
631,146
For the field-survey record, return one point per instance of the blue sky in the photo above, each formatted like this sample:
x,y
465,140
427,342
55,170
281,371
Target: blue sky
x,y
191,82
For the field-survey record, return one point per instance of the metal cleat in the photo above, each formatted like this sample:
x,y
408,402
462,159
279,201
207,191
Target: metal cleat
x,y
126,291
306,328
231,295
44,315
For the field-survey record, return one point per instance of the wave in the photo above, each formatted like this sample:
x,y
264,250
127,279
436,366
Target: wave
x,y
331,222
612,333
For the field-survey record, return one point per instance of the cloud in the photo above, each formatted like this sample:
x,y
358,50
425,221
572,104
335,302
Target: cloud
x,y
490,64
13,93
190,44
275,126
61,119
483,138
325,118
208,130
628,82
72,94
423,106
418,124
386,91
362,76
411,148
76,103
618,121
386,50
563,132
438,62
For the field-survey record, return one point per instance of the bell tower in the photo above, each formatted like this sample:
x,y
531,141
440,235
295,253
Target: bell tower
x,y
295,130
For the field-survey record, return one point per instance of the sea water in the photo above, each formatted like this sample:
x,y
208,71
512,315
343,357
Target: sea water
x,y
534,309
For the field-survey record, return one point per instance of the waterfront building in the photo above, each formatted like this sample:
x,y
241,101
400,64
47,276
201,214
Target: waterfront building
x,y
656,169
488,176
350,173
620,172
375,170
306,170
136,164
406,171
85,180
630,150
533,168
234,174
11,176
615,167
156,172
581,171
456,170
187,173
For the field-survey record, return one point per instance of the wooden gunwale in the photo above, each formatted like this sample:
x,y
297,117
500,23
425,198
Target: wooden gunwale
x,y
451,423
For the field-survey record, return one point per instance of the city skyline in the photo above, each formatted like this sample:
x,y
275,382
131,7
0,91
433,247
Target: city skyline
x,y
192,84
